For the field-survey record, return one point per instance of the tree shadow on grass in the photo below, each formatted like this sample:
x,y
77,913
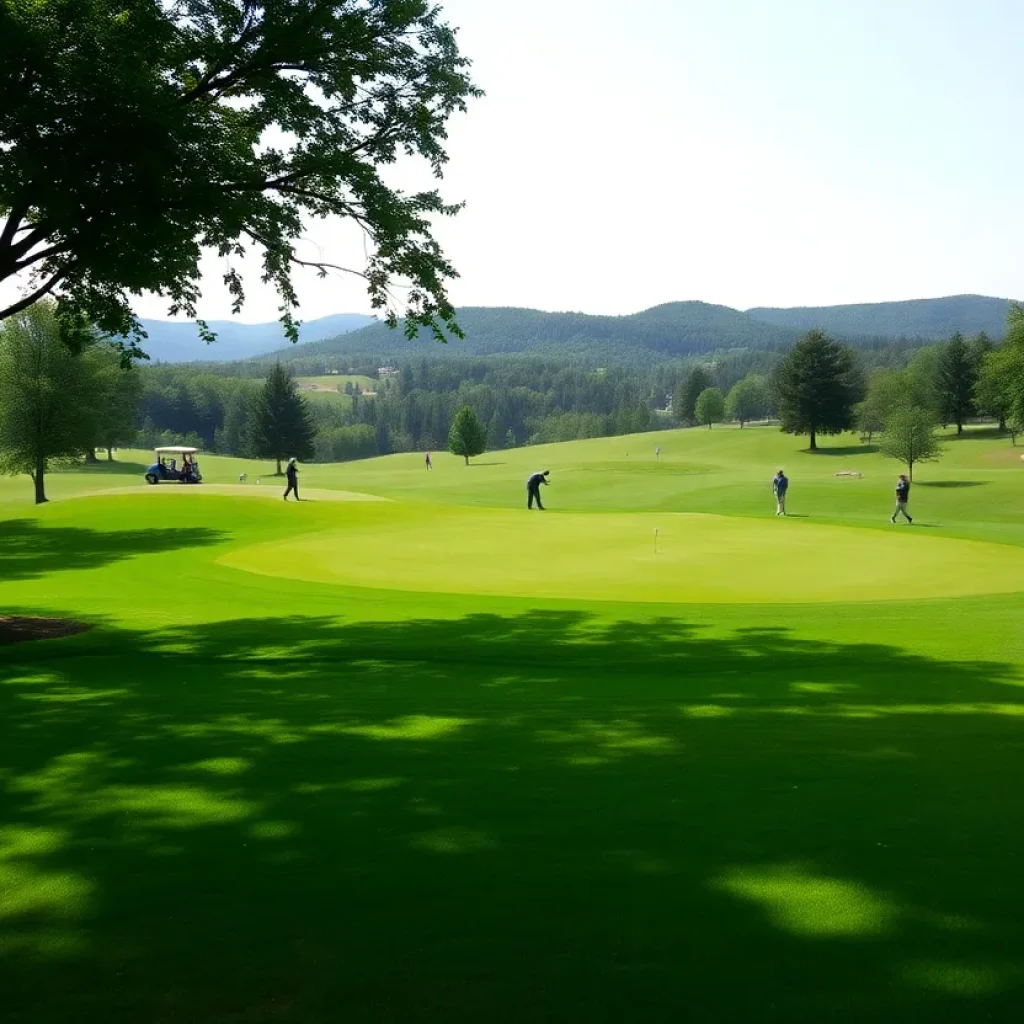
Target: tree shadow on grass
x,y
102,466
848,450
950,483
540,817
30,549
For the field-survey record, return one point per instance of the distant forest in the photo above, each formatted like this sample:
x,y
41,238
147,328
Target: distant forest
x,y
520,399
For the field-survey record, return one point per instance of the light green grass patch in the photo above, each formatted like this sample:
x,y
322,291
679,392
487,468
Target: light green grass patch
x,y
692,558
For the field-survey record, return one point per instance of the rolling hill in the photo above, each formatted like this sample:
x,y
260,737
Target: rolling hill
x,y
931,319
668,331
176,342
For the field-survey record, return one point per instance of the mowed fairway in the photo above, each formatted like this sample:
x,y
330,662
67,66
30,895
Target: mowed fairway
x,y
407,752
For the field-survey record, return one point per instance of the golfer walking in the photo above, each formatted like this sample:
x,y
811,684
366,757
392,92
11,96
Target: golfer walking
x,y
902,497
292,472
780,484
533,488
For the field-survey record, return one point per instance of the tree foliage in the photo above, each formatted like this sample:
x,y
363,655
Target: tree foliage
x,y
887,391
1013,349
747,399
957,372
710,407
468,436
280,425
136,135
910,437
47,405
684,404
818,384
116,391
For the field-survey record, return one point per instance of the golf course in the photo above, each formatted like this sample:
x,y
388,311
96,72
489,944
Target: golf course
x,y
405,751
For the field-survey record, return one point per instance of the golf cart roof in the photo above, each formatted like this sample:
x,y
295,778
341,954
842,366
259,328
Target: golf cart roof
x,y
176,449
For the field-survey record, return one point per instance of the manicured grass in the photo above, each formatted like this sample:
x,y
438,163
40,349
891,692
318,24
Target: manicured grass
x,y
433,758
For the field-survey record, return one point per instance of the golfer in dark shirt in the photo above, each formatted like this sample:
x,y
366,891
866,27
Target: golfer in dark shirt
x,y
533,489
292,472
902,497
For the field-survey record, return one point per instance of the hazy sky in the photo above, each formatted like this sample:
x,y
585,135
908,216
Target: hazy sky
x,y
746,152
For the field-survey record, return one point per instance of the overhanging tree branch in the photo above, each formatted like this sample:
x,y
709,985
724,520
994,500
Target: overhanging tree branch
x,y
44,289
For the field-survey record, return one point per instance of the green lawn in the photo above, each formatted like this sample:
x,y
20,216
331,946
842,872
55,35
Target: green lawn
x,y
406,752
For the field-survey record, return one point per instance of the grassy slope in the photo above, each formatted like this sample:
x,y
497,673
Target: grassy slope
x,y
256,798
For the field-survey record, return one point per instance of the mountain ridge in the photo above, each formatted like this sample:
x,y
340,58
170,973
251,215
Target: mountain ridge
x,y
179,342
666,331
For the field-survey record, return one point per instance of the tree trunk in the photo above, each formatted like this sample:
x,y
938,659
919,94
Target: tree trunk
x,y
814,440
37,479
90,456
1002,424
466,457
910,471
279,465
110,455
741,424
709,424
959,428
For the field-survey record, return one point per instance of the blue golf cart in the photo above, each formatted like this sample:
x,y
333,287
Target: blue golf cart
x,y
175,465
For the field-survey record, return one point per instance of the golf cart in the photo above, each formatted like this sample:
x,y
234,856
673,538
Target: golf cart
x,y
175,464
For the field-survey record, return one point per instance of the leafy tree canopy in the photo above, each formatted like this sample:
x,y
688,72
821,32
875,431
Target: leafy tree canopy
x,y
747,399
710,406
136,134
47,401
910,437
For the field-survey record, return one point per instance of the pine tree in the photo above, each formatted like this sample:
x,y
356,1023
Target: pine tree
x,y
957,375
280,425
467,436
818,384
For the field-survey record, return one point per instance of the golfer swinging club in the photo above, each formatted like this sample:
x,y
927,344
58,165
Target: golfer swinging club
x,y
533,488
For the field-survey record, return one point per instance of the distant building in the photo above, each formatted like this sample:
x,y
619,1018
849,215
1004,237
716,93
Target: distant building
x,y
386,371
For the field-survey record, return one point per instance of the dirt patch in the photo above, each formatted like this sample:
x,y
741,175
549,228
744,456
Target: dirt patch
x,y
16,629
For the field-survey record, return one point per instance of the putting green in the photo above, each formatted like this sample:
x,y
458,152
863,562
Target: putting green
x,y
699,558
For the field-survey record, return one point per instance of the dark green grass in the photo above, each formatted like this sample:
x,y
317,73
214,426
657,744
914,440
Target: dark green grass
x,y
498,817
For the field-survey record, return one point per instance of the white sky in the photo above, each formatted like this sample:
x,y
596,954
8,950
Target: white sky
x,y
745,152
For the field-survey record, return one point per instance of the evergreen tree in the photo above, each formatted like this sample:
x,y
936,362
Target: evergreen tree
x,y
956,376
280,425
115,394
710,407
818,384
467,436
684,404
234,435
45,396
